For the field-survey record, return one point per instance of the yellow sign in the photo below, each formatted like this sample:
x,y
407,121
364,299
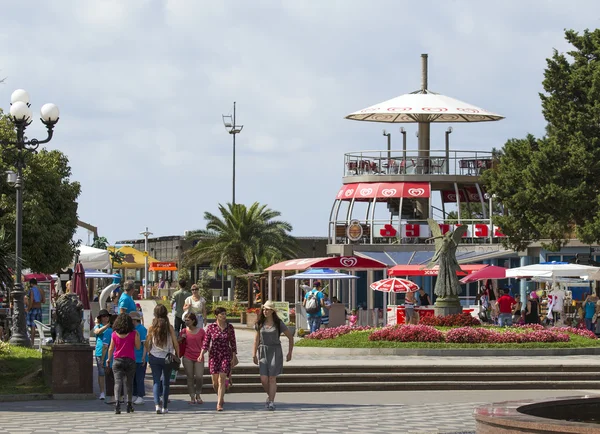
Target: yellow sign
x,y
145,254
283,310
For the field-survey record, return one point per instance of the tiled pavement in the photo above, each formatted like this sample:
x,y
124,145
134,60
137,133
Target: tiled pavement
x,y
356,412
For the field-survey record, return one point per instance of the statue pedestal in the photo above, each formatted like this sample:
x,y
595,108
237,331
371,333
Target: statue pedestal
x,y
447,306
68,369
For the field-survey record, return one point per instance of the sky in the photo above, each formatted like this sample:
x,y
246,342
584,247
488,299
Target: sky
x,y
142,85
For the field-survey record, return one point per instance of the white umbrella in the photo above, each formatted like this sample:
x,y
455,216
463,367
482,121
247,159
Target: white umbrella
x,y
553,270
423,106
394,284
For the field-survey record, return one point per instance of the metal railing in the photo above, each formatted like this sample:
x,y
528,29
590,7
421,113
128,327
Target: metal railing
x,y
432,162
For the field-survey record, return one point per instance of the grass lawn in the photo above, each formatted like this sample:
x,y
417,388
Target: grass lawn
x,y
360,339
20,372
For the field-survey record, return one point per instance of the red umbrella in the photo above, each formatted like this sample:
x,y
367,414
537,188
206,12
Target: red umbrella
x,y
489,272
394,284
80,288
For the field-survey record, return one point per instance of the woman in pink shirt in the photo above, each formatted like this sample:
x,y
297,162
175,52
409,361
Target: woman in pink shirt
x,y
125,340
192,363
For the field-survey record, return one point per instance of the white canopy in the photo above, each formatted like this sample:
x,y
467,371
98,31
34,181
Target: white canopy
x,y
553,270
92,258
423,106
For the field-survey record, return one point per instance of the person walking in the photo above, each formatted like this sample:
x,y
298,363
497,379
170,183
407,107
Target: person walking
x,y
532,315
589,306
125,340
193,335
505,304
313,302
267,352
177,304
161,340
196,304
126,303
220,339
99,330
141,360
325,310
35,298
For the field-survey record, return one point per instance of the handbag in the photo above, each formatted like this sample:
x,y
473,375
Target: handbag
x,y
173,360
595,317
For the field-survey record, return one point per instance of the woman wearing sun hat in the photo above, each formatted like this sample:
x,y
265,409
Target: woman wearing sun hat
x,y
267,352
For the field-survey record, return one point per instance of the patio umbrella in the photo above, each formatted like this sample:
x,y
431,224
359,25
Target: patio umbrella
x,y
394,284
489,272
552,270
80,288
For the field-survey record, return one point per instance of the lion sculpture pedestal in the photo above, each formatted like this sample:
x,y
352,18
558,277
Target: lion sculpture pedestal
x,y
67,365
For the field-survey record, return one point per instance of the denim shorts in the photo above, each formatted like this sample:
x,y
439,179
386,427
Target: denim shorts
x,y
100,366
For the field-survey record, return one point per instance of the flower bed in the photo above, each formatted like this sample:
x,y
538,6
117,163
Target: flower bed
x,y
410,333
470,335
457,320
332,333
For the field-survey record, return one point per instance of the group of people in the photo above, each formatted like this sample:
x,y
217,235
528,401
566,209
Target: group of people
x,y
124,348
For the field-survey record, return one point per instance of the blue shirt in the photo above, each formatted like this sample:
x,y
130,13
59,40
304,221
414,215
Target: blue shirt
x,y
590,309
127,303
139,353
99,340
106,339
319,299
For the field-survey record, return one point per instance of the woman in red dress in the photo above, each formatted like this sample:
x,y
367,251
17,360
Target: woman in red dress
x,y
220,338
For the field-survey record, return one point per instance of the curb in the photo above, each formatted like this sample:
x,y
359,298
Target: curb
x,y
26,397
476,352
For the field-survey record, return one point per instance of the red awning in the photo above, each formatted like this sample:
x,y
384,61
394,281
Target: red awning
x,y
383,190
418,270
336,262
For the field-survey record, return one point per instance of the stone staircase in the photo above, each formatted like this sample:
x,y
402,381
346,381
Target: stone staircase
x,y
340,378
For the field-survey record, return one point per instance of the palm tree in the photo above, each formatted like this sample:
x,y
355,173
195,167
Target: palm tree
x,y
241,238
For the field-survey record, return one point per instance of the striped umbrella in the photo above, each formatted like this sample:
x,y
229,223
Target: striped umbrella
x,y
394,284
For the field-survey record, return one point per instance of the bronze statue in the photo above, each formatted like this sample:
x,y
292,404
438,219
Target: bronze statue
x,y
447,284
69,313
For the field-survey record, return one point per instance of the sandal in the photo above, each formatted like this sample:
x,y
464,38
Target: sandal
x,y
199,400
192,402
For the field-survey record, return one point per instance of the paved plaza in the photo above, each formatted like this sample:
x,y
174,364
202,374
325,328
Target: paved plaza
x,y
298,413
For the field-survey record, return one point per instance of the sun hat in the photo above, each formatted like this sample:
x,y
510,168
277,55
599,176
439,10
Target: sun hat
x,y
135,315
269,305
102,313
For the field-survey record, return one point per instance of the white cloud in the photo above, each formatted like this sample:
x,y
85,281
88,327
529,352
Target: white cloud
x,y
142,86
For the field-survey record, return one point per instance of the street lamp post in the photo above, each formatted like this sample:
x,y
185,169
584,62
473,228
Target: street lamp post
x,y
448,132
389,144
21,116
233,129
146,234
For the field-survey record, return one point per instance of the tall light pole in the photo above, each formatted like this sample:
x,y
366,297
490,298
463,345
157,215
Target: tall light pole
x,y
233,129
21,116
146,234
389,144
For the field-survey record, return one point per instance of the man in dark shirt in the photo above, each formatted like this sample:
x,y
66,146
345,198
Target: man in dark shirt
x,y
505,304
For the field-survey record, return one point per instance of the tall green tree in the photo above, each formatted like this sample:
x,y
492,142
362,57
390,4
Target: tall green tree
x,y
49,206
550,185
240,238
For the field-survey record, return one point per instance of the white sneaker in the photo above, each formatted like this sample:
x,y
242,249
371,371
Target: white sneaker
x,y
102,396
267,404
272,406
133,398
165,410
139,400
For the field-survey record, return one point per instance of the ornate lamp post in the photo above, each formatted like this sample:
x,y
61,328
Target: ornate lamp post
x,y
146,234
21,116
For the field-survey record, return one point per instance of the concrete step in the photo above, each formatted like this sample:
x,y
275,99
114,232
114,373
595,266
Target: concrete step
x,y
400,385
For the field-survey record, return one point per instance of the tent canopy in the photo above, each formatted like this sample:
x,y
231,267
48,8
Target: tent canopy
x,y
322,274
419,270
489,272
335,262
133,257
93,258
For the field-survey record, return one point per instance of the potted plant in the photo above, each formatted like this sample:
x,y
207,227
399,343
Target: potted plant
x,y
292,328
252,316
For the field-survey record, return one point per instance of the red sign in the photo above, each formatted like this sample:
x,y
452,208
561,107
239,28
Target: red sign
x,y
388,231
163,266
383,190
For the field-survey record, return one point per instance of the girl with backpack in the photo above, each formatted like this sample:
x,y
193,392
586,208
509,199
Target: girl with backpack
x,y
267,352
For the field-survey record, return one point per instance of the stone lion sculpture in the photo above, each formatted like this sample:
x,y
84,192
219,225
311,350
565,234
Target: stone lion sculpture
x,y
69,313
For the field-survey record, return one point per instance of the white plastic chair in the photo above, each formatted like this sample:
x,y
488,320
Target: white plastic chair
x,y
41,329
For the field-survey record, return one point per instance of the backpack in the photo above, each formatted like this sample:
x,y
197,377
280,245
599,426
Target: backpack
x,y
312,304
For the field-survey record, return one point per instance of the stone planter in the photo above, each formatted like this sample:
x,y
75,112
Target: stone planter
x,y
251,319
